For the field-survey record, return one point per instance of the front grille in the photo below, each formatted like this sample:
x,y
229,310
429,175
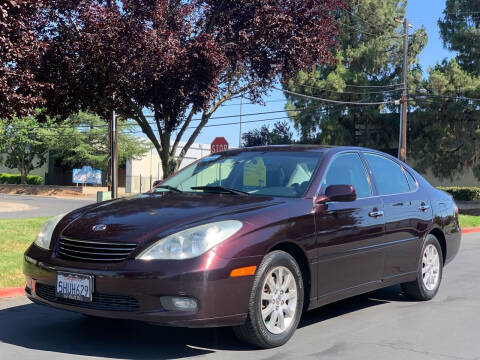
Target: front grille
x,y
82,250
99,301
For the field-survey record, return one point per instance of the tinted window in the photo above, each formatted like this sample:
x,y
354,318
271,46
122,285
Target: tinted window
x,y
348,169
276,173
389,176
411,181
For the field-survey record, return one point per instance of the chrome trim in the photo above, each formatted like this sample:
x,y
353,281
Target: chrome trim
x,y
89,251
94,253
96,242
101,248
369,173
90,259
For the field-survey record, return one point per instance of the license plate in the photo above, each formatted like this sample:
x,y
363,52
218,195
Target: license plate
x,y
74,286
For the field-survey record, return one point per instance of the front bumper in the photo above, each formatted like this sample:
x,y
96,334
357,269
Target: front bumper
x,y
132,289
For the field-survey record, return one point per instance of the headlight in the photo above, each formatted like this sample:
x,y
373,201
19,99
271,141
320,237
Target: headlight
x,y
45,235
192,242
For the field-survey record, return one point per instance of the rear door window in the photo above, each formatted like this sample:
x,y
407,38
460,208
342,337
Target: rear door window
x,y
389,176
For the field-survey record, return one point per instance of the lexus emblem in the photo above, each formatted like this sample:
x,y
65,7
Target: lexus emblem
x,y
99,227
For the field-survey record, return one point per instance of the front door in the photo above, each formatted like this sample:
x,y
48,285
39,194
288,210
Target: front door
x,y
349,233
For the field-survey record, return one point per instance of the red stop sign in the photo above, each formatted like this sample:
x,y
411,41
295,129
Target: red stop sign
x,y
219,144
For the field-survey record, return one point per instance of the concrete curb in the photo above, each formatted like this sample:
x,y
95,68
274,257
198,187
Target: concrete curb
x,y
19,291
471,230
12,292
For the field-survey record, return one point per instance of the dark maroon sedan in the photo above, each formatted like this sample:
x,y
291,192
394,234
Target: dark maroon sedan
x,y
250,238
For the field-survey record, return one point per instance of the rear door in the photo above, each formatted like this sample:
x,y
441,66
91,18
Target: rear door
x,y
407,214
348,233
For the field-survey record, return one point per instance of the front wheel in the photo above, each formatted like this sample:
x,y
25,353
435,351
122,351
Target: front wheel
x,y
429,273
276,302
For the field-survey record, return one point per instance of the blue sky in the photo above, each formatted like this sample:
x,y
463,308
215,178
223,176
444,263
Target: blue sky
x,y
419,12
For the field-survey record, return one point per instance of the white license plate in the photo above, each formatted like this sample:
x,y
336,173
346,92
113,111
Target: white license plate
x,y
74,286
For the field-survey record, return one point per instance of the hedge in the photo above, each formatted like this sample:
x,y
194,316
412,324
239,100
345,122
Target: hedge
x,y
462,193
17,179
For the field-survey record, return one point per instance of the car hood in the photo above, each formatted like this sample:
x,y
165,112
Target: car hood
x,y
146,216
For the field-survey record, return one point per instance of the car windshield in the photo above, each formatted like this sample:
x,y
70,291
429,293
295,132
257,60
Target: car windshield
x,y
273,173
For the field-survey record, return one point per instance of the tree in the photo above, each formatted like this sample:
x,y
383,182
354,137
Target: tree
x,y
84,140
445,135
177,58
19,54
281,134
26,143
369,60
460,31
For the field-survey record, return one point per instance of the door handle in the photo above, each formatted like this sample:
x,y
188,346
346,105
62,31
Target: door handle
x,y
424,207
375,214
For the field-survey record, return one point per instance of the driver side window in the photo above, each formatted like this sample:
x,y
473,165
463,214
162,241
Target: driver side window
x,y
348,169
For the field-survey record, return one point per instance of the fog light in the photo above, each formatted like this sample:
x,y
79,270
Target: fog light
x,y
178,303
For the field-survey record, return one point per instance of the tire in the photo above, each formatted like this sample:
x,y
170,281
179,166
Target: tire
x,y
425,287
279,302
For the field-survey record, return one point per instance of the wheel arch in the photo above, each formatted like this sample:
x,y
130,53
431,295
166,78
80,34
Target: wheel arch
x,y
300,257
438,233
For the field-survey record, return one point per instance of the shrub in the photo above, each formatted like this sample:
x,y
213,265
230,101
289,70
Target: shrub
x,y
462,193
17,179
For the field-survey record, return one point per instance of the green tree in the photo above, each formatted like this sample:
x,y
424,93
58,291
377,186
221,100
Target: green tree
x,y
281,134
445,126
84,140
25,143
460,31
368,61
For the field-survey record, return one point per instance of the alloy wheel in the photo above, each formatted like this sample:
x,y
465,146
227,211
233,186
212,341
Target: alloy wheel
x,y
279,300
430,267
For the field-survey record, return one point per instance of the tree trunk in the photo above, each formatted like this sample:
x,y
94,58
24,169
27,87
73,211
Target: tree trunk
x,y
169,163
23,176
23,171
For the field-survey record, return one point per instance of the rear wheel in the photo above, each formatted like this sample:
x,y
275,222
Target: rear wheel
x,y
276,302
429,273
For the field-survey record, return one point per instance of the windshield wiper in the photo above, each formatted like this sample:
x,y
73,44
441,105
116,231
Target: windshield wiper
x,y
168,187
220,189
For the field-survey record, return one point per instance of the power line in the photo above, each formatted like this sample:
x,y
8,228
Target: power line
x,y
253,103
447,97
352,92
374,86
338,101
233,116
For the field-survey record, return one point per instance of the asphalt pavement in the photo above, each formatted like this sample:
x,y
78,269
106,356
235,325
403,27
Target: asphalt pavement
x,y
378,325
22,206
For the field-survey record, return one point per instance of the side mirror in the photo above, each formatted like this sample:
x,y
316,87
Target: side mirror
x,y
343,193
156,182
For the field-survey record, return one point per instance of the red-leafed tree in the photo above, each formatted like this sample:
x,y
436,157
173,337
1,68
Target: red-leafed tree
x,y
19,55
178,58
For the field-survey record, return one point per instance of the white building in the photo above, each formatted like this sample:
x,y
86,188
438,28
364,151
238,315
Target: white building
x,y
141,173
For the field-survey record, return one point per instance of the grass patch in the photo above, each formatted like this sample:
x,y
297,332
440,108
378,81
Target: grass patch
x,y
469,221
16,235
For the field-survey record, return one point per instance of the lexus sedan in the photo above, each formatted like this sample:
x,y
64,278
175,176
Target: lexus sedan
x,y
249,238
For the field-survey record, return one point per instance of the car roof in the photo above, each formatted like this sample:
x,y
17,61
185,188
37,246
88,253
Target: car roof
x,y
295,147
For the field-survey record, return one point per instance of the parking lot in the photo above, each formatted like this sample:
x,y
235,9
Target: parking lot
x,y
23,206
378,325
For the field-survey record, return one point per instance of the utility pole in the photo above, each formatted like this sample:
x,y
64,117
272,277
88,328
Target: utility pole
x,y
240,130
402,140
114,155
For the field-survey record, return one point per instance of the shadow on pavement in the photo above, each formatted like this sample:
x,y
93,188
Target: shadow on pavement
x,y
42,328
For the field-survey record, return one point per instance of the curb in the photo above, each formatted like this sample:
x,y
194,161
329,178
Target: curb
x,y
12,292
471,230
